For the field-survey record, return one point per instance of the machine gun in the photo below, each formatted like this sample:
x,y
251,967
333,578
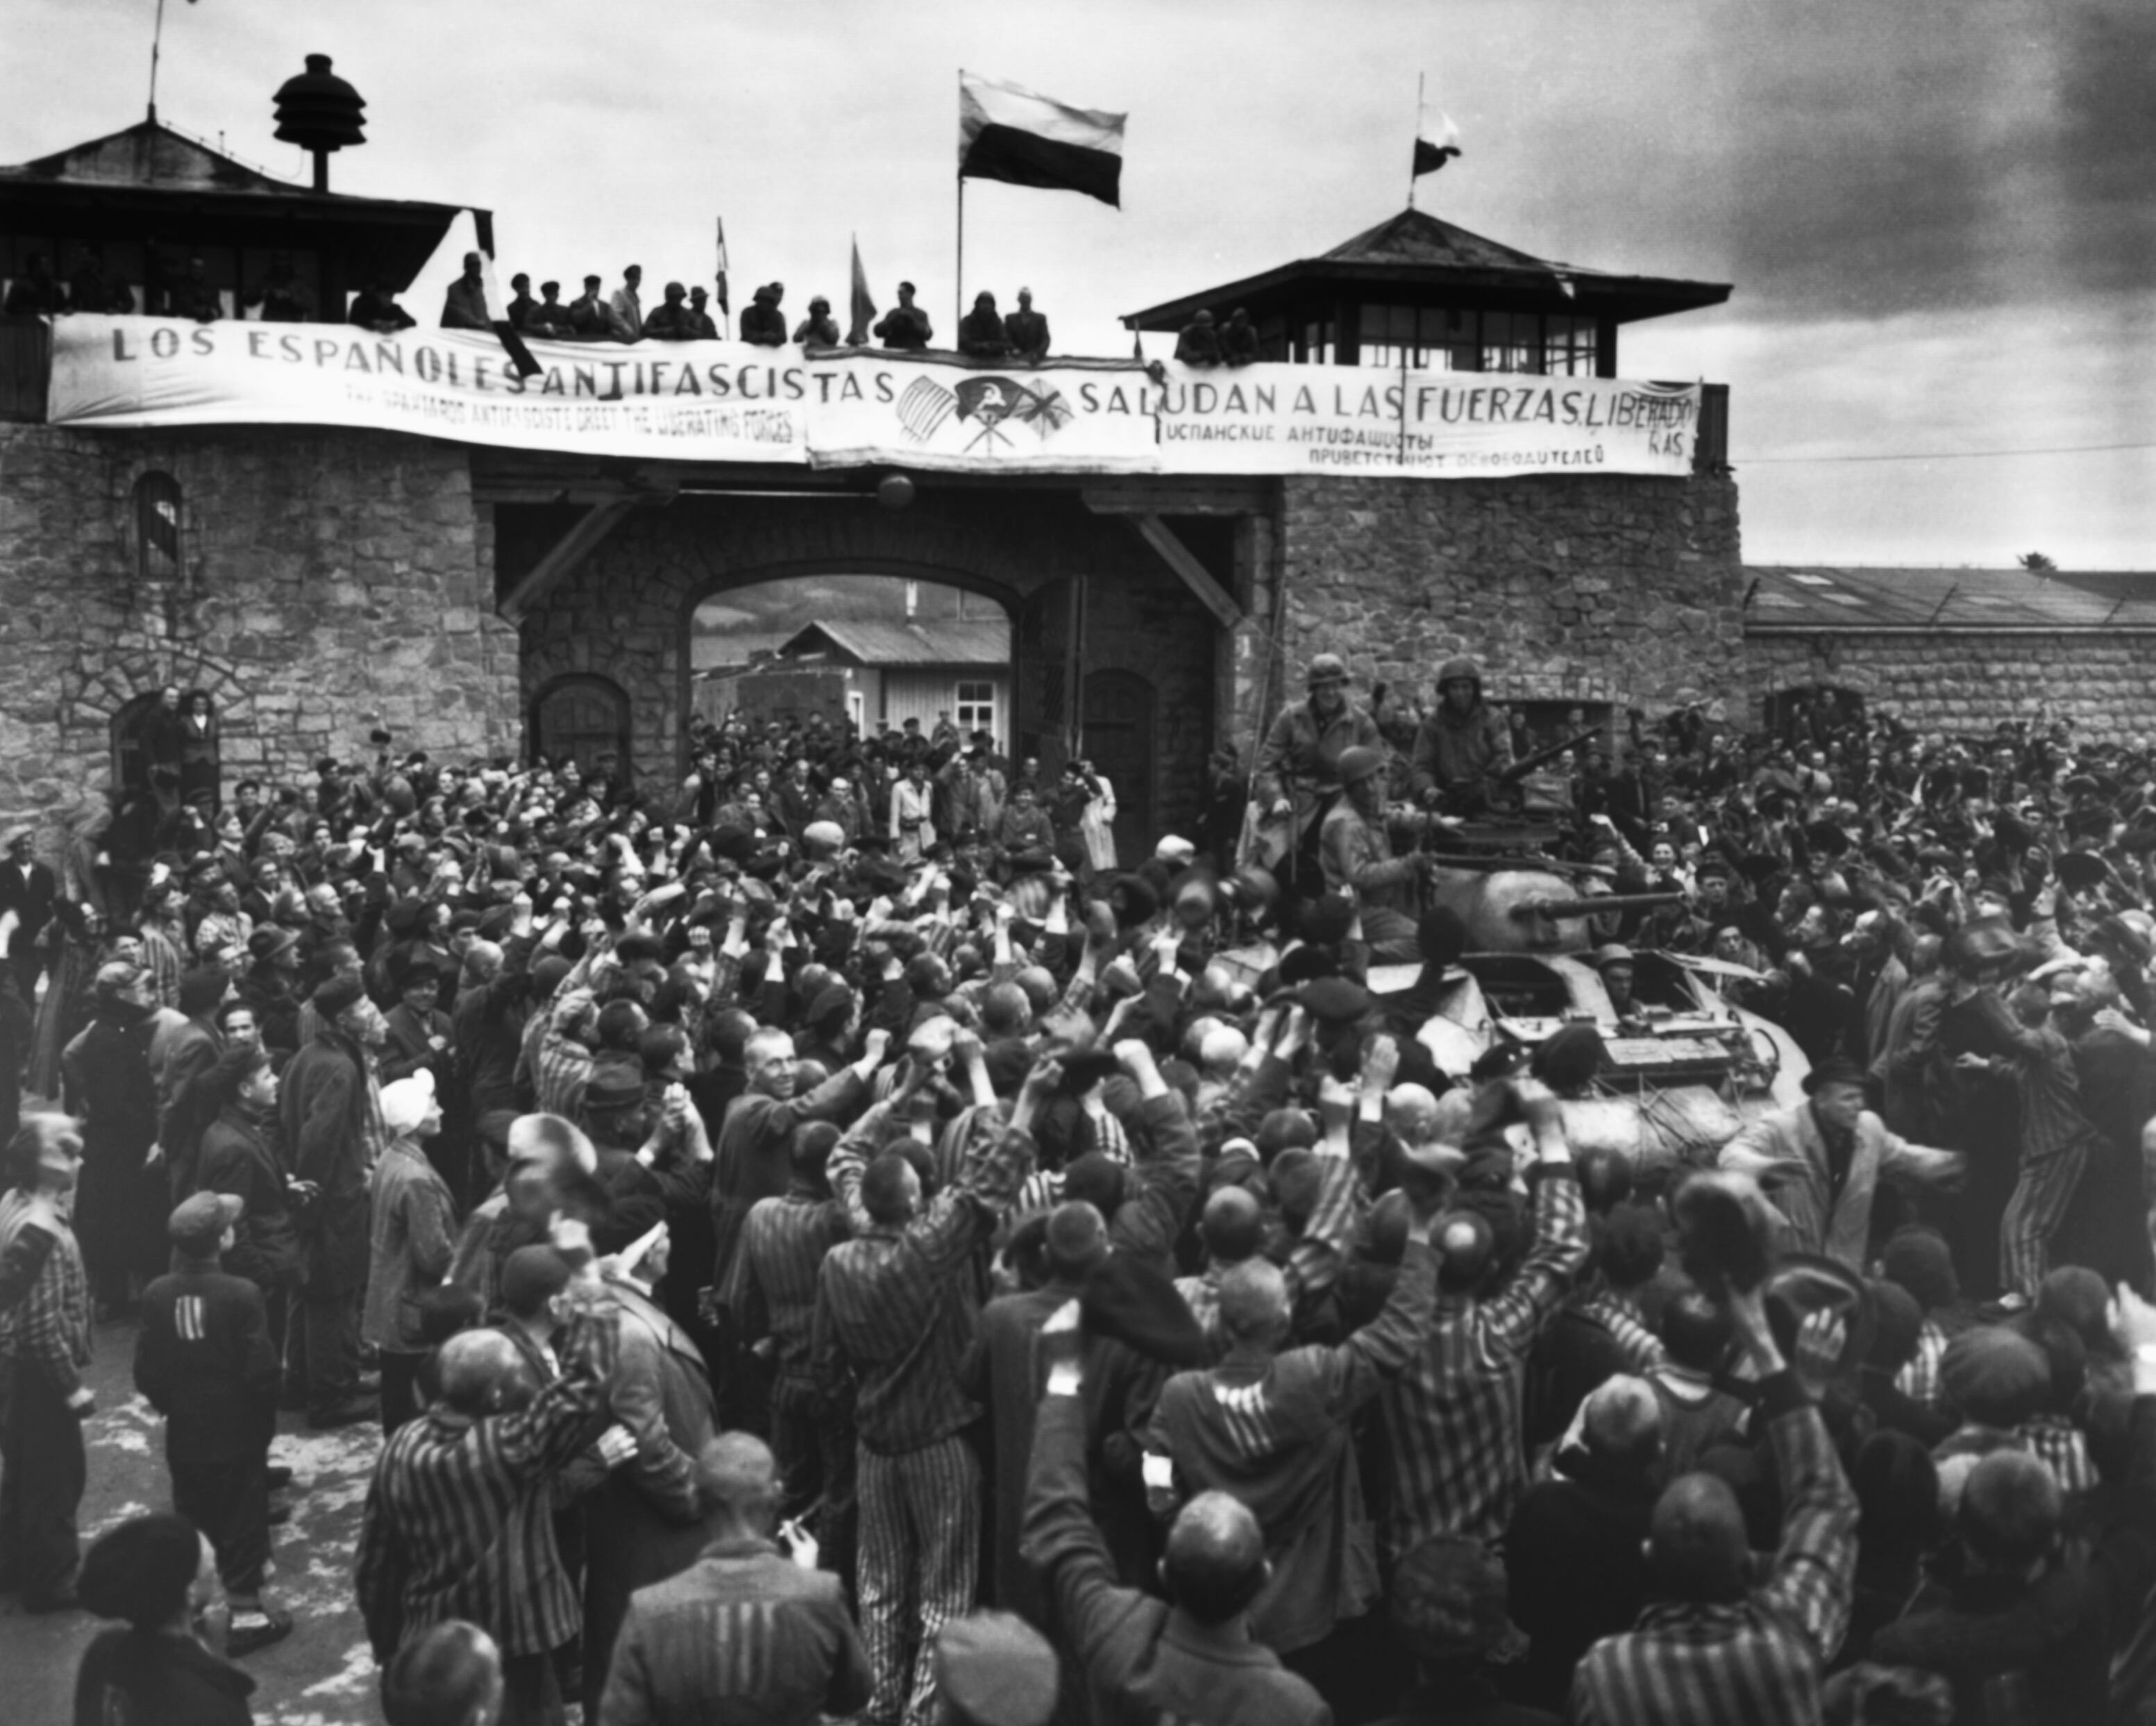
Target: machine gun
x,y
1540,915
1526,764
1493,786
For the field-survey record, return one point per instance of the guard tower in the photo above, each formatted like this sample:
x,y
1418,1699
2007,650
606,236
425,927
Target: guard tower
x,y
1417,291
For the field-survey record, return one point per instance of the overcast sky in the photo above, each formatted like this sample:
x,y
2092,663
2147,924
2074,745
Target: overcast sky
x,y
1938,215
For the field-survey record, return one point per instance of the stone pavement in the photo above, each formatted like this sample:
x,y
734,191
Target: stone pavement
x,y
322,1674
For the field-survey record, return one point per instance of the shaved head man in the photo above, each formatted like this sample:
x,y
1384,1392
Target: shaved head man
x,y
459,1518
749,1630
1139,1655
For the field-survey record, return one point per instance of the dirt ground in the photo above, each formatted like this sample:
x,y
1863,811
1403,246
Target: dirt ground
x,y
322,1674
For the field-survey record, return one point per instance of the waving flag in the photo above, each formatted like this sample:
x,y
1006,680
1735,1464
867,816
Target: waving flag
x,y
725,309
1437,139
863,308
447,265
1009,134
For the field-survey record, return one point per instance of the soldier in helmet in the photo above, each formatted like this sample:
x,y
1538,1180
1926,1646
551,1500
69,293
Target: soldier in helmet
x,y
1297,780
1463,745
1355,847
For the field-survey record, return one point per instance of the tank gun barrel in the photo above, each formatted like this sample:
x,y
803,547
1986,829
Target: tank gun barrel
x,y
1597,905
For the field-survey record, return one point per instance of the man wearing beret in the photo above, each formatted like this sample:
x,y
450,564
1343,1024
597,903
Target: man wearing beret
x,y
202,1357
331,1110
156,1572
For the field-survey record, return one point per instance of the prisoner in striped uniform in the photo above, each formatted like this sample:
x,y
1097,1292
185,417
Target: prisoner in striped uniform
x,y
457,1523
746,1633
896,1313
1453,1416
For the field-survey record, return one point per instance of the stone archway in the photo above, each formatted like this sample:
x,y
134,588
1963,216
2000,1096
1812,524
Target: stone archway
x,y
928,575
1064,573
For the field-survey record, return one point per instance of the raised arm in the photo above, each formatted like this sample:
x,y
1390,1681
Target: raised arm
x,y
1511,1316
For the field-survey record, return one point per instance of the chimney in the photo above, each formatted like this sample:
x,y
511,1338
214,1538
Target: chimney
x,y
912,599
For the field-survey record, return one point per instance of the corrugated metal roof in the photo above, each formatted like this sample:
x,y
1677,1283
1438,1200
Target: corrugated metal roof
x,y
1811,596
942,643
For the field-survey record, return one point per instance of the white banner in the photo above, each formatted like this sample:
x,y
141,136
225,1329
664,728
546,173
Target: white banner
x,y
1077,418
703,401
724,401
1351,420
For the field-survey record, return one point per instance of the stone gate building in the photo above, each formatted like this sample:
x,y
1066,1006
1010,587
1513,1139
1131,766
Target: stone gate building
x,y
320,582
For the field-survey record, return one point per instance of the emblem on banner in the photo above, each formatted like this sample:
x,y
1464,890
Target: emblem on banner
x,y
990,403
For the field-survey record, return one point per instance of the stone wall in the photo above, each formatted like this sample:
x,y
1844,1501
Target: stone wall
x,y
624,613
1565,589
330,582
1966,681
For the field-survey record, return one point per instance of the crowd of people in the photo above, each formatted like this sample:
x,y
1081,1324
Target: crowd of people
x,y
683,313
833,1237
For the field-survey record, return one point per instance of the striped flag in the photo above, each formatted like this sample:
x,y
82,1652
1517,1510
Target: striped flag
x,y
1009,134
864,308
725,308
1437,139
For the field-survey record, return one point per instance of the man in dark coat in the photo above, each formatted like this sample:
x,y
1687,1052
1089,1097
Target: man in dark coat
x,y
239,1156
1575,1552
646,1522
203,1360
981,332
1027,329
330,1115
1121,1388
120,1206
188,1054
30,891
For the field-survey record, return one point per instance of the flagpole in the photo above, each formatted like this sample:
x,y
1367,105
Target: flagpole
x,y
157,37
958,287
1419,77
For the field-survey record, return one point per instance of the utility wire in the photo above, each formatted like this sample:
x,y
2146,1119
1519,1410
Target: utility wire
x,y
1942,455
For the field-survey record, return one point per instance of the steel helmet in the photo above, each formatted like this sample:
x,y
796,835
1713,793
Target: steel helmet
x,y
1326,668
1255,888
1359,762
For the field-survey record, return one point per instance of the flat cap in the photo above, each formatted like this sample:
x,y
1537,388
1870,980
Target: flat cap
x,y
199,1222
994,1669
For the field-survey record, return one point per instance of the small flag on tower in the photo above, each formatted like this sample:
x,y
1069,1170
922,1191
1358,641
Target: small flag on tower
x,y
864,307
1437,140
1009,134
